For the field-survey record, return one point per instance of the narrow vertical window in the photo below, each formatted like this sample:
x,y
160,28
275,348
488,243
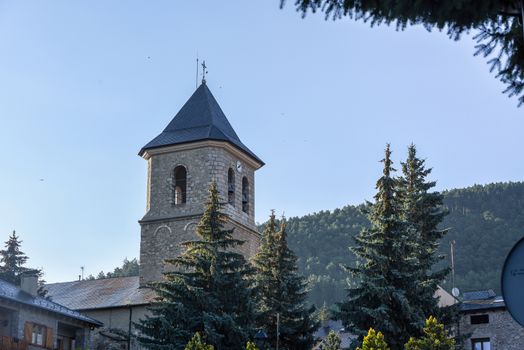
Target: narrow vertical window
x,y
231,187
180,185
245,195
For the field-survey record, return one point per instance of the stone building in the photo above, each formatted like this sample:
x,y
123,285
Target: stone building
x,y
30,322
197,147
487,324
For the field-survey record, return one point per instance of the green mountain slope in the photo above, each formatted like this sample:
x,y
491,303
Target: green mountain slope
x,y
484,221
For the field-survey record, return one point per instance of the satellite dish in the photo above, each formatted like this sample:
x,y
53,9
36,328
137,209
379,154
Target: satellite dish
x,y
513,282
455,292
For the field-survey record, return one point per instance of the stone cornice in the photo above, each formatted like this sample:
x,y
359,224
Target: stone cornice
x,y
195,217
202,144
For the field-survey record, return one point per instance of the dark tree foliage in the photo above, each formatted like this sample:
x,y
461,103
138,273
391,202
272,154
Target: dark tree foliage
x,y
320,241
281,290
196,343
435,337
498,23
485,221
423,211
12,264
381,296
12,260
128,268
210,291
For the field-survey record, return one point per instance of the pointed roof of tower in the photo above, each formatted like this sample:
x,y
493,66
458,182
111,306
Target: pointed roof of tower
x,y
201,118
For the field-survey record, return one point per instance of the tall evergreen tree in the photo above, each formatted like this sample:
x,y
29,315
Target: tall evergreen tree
x,y
265,276
332,342
210,290
251,346
196,343
374,341
380,297
435,338
423,211
12,260
281,290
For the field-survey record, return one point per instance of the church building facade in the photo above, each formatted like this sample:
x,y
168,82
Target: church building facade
x,y
197,147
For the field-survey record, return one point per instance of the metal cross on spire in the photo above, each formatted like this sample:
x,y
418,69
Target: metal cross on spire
x,y
204,71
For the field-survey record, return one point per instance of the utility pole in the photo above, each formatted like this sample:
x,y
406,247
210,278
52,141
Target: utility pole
x,y
278,329
129,327
452,247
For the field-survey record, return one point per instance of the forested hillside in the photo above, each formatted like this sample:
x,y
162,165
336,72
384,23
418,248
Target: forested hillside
x,y
484,221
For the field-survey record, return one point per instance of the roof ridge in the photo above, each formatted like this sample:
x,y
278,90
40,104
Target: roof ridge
x,y
90,280
195,121
214,116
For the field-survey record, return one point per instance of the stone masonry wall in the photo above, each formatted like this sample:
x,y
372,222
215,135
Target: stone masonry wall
x,y
166,225
504,333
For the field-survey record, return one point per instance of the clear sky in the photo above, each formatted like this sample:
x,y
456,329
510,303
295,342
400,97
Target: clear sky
x,y
85,84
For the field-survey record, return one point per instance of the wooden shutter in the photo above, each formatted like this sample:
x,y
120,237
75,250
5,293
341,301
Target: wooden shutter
x,y
49,338
28,332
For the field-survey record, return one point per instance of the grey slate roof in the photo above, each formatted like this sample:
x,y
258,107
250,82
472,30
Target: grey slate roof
x,y
479,295
12,293
100,294
201,118
481,300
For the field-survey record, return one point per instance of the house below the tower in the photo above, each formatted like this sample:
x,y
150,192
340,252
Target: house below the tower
x,y
31,322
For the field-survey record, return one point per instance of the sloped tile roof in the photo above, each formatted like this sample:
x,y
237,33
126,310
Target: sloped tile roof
x,y
99,294
481,300
12,293
479,295
201,118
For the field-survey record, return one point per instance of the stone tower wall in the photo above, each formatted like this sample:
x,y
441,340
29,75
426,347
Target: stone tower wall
x,y
166,225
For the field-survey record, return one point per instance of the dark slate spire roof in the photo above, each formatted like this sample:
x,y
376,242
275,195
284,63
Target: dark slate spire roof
x,y
201,118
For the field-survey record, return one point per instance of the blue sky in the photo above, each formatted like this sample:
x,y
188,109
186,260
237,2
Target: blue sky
x,y
85,84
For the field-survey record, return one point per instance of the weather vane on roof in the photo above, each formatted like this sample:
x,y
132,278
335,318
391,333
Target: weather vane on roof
x,y
204,71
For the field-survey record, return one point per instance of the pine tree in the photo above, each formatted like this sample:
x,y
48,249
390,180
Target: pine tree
x,y
374,341
210,290
282,291
324,314
332,342
435,338
423,211
251,346
383,273
12,260
196,343
265,275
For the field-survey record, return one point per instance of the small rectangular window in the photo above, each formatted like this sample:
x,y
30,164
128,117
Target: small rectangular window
x,y
481,344
38,335
479,319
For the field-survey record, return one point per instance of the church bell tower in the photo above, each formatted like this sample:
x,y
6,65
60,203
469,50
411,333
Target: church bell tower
x,y
197,147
